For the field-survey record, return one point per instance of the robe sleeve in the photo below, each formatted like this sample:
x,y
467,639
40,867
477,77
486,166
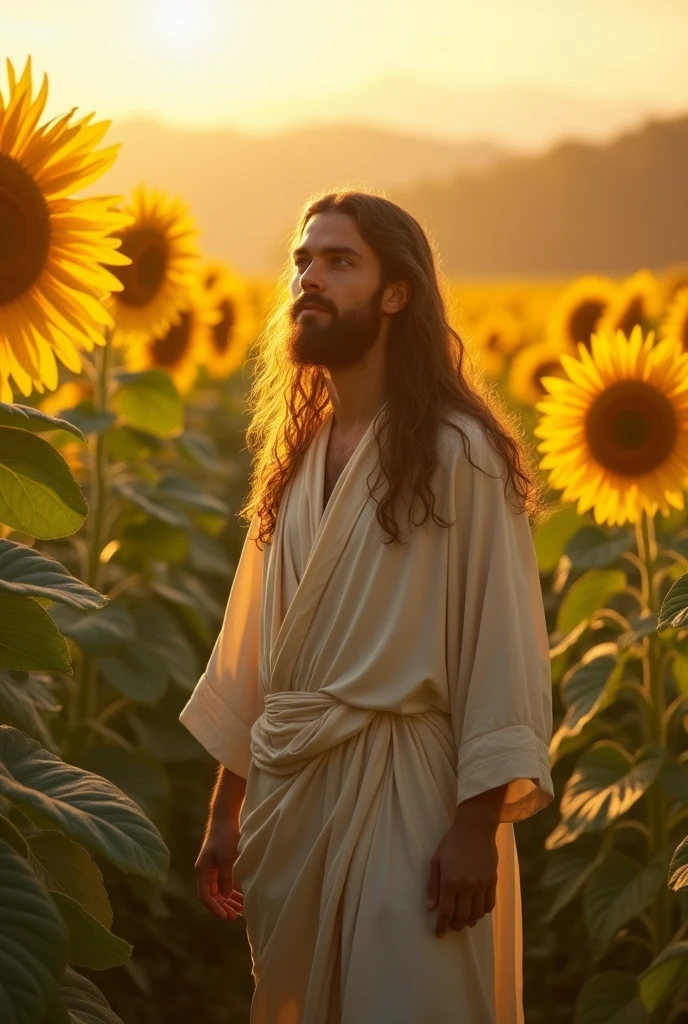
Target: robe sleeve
x,y
228,697
501,702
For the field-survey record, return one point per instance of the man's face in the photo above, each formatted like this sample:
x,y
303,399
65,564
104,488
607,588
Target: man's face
x,y
338,273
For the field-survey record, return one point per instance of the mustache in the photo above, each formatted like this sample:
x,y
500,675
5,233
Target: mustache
x,y
298,306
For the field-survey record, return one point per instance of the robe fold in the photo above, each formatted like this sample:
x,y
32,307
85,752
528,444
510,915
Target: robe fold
x,y
363,690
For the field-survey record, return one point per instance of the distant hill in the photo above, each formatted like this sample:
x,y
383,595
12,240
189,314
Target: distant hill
x,y
578,208
245,192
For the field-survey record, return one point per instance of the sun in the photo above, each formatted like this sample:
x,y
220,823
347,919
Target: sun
x,y
178,27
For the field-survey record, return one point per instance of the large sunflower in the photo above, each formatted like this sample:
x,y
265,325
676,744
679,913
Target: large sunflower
x,y
637,303
52,247
157,284
182,347
675,324
528,366
575,313
616,428
235,327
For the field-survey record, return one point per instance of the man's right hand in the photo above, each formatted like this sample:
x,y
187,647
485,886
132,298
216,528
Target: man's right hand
x,y
214,864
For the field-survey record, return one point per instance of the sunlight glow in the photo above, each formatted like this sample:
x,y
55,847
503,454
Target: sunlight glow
x,y
178,27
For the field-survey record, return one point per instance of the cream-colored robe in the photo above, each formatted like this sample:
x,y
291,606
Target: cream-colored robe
x,y
365,690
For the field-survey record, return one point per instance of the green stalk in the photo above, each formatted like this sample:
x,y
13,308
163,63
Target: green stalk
x,y
87,675
653,684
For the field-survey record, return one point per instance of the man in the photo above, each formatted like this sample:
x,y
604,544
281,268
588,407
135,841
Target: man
x,y
381,707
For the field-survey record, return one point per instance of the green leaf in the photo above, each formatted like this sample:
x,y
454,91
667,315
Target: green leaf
x,y
610,997
150,402
88,419
588,687
22,704
29,639
38,494
665,976
169,743
90,944
135,772
10,834
201,450
673,779
617,891
64,866
587,595
33,940
135,672
99,631
605,783
207,556
641,625
23,570
160,633
567,871
185,492
34,420
80,1002
152,502
678,869
87,808
551,534
594,548
674,610
679,670
154,541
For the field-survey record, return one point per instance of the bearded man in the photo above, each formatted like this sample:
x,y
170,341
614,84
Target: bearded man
x,y
380,704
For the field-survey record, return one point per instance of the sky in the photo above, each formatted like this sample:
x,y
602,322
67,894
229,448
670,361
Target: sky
x,y
263,65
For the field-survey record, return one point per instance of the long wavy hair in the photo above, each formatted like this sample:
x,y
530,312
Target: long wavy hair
x,y
288,402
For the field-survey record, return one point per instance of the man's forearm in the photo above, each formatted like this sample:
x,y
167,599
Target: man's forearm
x,y
483,809
227,796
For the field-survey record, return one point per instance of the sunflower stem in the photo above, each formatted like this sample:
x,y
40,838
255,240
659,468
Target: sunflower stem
x,y
88,674
653,684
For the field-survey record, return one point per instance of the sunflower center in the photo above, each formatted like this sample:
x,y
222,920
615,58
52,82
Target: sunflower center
x,y
633,315
584,318
171,347
210,278
492,342
223,331
552,369
143,277
631,428
24,230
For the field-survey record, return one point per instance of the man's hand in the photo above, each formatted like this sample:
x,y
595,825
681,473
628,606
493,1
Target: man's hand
x,y
214,865
463,870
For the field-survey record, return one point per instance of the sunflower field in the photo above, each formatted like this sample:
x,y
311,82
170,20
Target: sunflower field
x,y
124,352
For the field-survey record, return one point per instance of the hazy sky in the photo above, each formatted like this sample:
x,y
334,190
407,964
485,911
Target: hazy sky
x,y
215,63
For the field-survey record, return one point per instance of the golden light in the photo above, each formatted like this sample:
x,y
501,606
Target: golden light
x,y
178,27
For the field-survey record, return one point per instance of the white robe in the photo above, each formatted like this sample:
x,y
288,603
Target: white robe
x,y
364,690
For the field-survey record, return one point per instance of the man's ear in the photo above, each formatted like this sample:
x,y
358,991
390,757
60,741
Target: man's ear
x,y
399,293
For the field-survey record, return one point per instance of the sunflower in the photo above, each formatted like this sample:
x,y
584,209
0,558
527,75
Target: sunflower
x,y
575,313
675,324
637,303
52,247
616,428
672,279
182,347
156,285
235,327
496,335
528,366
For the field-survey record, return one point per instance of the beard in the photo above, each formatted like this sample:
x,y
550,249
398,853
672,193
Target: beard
x,y
334,340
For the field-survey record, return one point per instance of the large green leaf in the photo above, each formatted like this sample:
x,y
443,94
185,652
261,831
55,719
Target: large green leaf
x,y
594,548
86,807
150,402
29,639
12,835
80,1002
22,704
23,570
567,871
605,783
152,502
171,744
587,595
201,449
135,672
618,890
64,866
87,418
179,489
90,944
34,420
665,976
38,494
673,778
674,611
99,631
159,633
610,997
588,687
678,869
33,942
550,535
153,541
135,772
